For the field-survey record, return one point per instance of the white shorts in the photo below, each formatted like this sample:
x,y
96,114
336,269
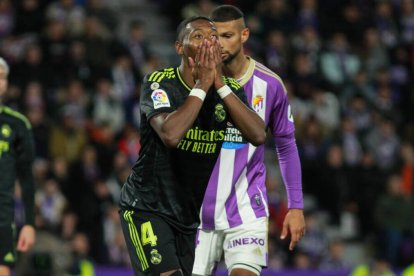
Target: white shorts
x,y
245,244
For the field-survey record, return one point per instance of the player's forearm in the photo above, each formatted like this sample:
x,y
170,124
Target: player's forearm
x,y
291,169
177,123
246,120
27,183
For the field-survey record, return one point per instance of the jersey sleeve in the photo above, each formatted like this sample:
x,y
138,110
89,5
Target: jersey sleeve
x,y
282,127
281,120
155,98
25,156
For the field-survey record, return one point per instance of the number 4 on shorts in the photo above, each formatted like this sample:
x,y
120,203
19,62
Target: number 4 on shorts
x,y
147,234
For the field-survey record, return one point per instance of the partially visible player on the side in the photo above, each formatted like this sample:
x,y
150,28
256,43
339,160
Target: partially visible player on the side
x,y
234,214
16,158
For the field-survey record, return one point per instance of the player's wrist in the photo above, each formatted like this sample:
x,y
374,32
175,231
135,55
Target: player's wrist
x,y
224,91
203,84
219,82
199,93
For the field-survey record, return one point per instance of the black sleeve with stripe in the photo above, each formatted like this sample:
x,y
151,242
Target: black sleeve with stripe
x,y
25,156
146,101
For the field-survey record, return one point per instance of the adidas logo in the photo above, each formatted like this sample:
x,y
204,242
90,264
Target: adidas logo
x,y
9,258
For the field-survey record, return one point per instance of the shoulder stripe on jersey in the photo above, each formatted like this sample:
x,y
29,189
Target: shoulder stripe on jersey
x,y
153,75
157,76
170,72
274,75
262,66
16,114
267,72
160,77
170,75
232,82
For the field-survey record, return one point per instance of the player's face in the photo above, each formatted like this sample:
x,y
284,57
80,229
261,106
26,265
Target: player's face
x,y
3,81
232,35
198,30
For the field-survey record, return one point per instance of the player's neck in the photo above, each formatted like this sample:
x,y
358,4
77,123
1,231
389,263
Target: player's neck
x,y
237,67
186,74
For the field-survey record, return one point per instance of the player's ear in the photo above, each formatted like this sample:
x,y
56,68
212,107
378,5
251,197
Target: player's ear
x,y
245,33
179,48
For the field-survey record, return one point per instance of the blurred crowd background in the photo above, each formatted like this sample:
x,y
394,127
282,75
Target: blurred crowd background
x,y
76,68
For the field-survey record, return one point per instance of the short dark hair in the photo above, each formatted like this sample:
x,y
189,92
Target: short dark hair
x,y
226,13
183,24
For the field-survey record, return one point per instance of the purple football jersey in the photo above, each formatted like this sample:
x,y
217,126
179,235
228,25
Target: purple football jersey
x,y
236,191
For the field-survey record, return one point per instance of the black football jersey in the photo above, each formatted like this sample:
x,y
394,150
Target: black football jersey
x,y
16,159
172,182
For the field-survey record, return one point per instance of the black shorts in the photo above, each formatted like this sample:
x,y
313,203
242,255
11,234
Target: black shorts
x,y
154,246
7,245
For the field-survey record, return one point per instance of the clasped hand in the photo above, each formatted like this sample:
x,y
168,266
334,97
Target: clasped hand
x,y
206,66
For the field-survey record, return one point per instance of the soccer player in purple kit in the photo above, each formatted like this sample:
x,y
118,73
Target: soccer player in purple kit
x,y
234,213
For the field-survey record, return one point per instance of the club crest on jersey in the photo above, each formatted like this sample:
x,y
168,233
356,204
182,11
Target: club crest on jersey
x,y
5,131
219,113
156,257
160,99
155,85
258,103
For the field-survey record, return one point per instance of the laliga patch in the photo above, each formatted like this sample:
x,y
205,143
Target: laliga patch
x,y
160,99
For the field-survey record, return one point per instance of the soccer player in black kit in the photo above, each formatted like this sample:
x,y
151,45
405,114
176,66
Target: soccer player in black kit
x,y
16,158
185,111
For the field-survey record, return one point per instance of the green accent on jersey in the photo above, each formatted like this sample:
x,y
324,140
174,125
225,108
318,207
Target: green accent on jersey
x,y
156,257
361,270
153,75
4,147
6,130
16,114
86,268
182,81
219,113
159,173
9,258
232,83
409,271
157,76
133,232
